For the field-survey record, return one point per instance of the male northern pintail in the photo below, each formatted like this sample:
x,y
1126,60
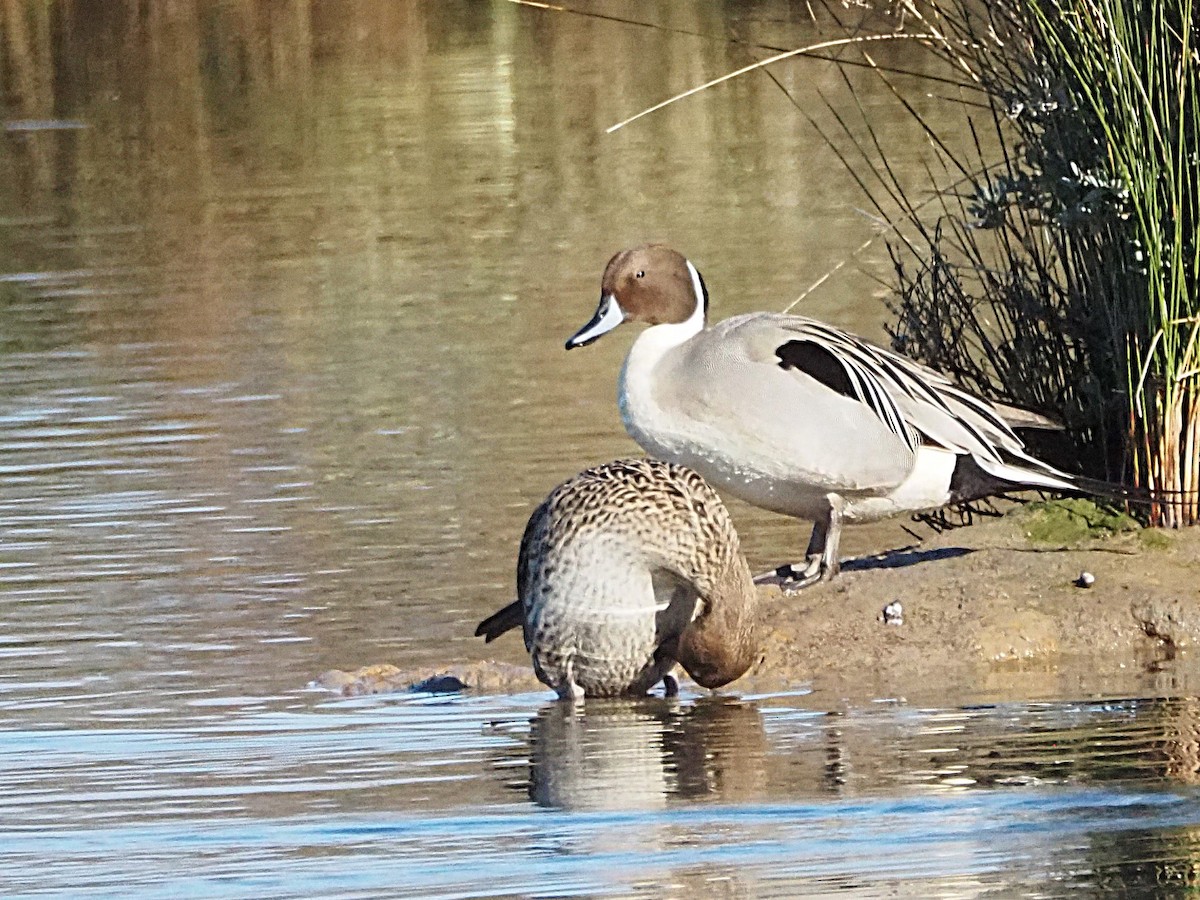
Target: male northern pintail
x,y
797,416
624,570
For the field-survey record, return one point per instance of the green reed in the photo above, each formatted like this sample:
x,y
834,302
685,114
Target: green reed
x,y
1062,269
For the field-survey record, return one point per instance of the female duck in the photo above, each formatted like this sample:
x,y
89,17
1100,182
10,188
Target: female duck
x,y
624,570
795,416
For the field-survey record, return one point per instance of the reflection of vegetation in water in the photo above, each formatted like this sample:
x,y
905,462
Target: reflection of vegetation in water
x,y
1181,742
1137,863
33,324
1147,864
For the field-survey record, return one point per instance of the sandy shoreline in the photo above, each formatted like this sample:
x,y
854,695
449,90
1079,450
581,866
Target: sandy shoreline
x,y
986,610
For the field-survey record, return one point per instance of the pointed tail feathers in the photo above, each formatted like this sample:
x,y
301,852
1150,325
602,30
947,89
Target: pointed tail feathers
x,y
501,621
1121,493
1043,476
1046,477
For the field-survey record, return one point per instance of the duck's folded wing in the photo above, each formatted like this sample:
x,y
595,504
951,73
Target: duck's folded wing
x,y
933,409
788,406
844,364
945,414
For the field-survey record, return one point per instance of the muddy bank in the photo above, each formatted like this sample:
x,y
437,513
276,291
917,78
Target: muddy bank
x,y
995,609
987,605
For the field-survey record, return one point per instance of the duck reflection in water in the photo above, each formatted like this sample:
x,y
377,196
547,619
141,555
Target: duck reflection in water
x,y
622,754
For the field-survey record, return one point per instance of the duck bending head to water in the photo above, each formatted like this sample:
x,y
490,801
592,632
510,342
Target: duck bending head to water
x,y
624,570
796,416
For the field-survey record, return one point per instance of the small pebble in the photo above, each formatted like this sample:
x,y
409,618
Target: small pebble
x,y
893,614
1085,580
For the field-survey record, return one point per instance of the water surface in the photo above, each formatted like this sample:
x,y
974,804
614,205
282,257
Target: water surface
x,y
283,291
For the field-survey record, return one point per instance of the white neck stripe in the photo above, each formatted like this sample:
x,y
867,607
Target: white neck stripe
x,y
698,291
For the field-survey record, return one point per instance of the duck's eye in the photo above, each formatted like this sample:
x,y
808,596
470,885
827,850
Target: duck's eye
x,y
640,273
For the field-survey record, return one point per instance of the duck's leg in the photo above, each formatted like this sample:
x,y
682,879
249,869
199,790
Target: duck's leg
x,y
568,689
830,564
821,558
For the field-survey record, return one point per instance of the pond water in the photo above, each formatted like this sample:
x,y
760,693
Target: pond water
x,y
283,292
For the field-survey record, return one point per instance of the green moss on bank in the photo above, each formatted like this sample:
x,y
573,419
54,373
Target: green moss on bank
x,y
1155,539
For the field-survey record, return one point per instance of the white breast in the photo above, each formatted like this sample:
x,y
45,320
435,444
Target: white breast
x,y
750,428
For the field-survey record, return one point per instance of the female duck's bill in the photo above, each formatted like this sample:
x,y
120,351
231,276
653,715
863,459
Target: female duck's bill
x,y
625,570
796,416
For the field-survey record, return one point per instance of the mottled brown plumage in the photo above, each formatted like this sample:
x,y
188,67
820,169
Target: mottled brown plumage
x,y
624,570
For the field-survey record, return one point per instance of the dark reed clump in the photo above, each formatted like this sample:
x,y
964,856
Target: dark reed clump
x,y
1061,268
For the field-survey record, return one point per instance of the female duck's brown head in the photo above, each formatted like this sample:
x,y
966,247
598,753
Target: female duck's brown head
x,y
723,641
652,284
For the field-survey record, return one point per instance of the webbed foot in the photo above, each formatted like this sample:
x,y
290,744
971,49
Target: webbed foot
x,y
793,578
